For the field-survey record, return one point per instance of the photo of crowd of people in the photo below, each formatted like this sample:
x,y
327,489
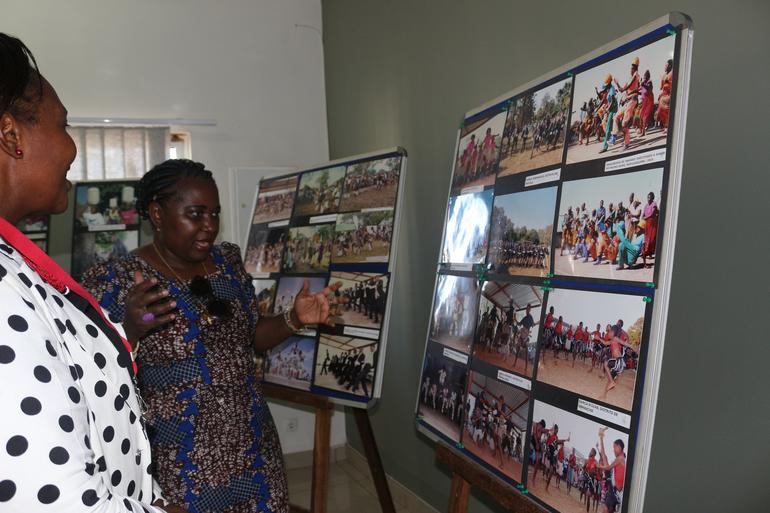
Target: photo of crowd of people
x,y
522,231
535,129
346,364
372,184
291,362
91,248
308,249
507,326
478,151
275,199
496,424
608,226
363,236
265,292
264,250
442,387
623,105
34,224
320,191
466,236
289,287
366,295
108,203
590,344
454,311
575,464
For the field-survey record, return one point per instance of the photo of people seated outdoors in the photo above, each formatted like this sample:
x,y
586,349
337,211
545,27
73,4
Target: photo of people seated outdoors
x,y
478,151
454,312
608,227
91,248
289,287
265,291
309,249
275,199
522,231
623,105
372,184
535,129
575,464
103,204
466,236
291,363
508,321
590,344
366,295
265,250
346,364
363,237
496,424
442,387
319,191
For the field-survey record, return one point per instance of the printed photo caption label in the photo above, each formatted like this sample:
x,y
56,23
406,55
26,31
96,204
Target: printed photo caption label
x,y
456,355
545,177
513,379
604,413
640,159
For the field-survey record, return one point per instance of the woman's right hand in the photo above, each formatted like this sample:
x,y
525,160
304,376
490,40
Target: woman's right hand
x,y
147,307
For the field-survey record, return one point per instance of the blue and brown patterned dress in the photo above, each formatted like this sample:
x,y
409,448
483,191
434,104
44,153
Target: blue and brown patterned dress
x,y
213,439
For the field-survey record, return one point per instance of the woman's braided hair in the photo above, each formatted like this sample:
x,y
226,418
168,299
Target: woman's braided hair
x,y
21,85
159,183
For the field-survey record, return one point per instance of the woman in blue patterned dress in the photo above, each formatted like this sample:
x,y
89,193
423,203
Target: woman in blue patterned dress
x,y
214,443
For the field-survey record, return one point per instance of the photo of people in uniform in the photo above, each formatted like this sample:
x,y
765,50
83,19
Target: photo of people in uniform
x,y
275,199
623,105
442,387
366,295
372,184
454,311
291,363
496,424
466,237
522,232
346,364
363,236
507,326
575,464
590,344
264,250
308,249
535,129
320,191
478,151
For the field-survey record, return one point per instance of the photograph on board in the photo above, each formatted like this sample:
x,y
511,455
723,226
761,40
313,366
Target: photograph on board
x,y
291,362
575,464
371,184
34,223
346,364
319,191
442,387
466,237
522,232
275,199
535,129
91,248
608,227
454,312
478,151
366,295
496,424
102,204
623,105
290,286
590,344
264,250
308,249
508,321
265,292
363,237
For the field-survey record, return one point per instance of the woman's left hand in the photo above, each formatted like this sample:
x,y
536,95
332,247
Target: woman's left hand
x,y
314,308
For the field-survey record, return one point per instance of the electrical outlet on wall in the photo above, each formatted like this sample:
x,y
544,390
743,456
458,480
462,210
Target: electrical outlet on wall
x,y
290,425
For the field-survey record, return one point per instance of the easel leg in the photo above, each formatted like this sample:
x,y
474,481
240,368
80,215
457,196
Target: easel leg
x,y
373,457
459,494
321,449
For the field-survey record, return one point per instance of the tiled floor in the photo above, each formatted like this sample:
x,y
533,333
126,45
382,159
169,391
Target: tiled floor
x,y
350,491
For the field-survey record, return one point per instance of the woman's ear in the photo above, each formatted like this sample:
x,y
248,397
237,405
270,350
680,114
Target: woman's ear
x,y
156,215
10,137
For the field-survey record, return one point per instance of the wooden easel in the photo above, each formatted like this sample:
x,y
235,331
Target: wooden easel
x,y
322,447
466,474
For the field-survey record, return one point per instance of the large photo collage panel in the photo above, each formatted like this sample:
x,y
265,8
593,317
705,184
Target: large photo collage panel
x,y
315,228
539,328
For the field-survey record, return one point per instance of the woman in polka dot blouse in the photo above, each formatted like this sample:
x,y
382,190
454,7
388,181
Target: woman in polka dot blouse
x,y
72,437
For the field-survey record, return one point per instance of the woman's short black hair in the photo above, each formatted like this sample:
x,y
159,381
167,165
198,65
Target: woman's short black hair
x,y
160,181
21,85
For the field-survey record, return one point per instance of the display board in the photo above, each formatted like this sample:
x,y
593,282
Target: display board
x,y
37,229
332,223
106,223
545,341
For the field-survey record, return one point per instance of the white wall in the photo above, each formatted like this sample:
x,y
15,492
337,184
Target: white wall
x,y
243,63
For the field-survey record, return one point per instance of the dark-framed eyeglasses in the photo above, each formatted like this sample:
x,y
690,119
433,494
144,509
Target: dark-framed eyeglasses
x,y
201,287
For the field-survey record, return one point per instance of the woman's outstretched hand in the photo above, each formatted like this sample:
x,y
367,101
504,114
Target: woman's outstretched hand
x,y
147,308
314,308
